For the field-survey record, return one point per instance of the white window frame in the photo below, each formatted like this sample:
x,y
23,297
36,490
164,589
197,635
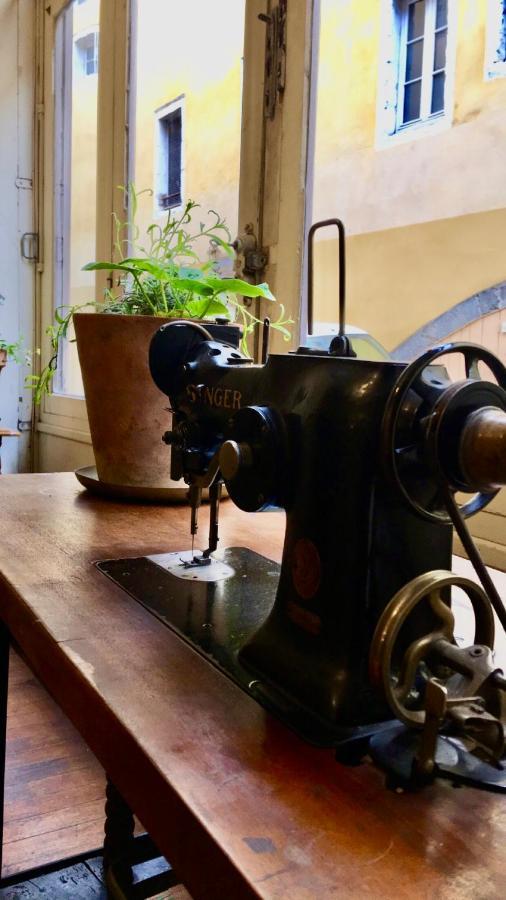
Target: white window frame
x,y
429,40
390,129
61,415
495,35
80,37
161,156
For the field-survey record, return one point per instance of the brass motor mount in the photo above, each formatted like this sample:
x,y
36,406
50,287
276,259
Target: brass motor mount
x,y
405,675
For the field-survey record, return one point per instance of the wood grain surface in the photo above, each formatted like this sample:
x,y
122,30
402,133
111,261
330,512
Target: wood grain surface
x,y
54,785
238,804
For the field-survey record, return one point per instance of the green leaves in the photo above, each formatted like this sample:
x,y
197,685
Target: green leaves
x,y
200,309
237,286
172,273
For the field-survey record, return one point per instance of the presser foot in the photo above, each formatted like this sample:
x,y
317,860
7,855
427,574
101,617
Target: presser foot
x,y
196,562
397,752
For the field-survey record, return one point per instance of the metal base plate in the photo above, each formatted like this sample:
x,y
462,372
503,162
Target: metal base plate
x,y
217,609
394,751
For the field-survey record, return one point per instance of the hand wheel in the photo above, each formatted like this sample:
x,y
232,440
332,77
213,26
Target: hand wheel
x,y
422,425
402,675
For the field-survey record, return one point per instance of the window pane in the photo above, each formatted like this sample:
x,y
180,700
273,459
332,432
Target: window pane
x,y
75,64
412,101
440,50
172,136
416,19
187,103
438,92
441,13
414,57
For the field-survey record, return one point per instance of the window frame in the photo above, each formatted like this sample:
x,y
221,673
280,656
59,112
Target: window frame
x,y
273,157
64,415
494,36
427,72
94,34
390,129
161,162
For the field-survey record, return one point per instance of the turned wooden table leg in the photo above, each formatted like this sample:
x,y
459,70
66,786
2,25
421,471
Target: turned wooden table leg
x,y
118,844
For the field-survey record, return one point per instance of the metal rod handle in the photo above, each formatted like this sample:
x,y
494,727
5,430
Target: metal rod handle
x,y
342,272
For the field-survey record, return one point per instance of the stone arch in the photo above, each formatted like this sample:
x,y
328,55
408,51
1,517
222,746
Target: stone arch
x,y
460,315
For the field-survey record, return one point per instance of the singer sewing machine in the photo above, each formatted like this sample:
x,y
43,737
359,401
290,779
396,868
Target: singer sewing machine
x,y
369,459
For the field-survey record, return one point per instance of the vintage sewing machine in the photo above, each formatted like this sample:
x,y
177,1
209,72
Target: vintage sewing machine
x,y
368,459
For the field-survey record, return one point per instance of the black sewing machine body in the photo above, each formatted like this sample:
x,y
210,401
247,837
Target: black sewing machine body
x,y
369,459
313,425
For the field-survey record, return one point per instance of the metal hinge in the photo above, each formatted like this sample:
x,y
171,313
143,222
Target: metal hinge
x,y
275,57
24,424
252,259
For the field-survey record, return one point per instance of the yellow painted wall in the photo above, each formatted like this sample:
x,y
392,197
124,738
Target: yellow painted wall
x,y
401,278
194,50
425,215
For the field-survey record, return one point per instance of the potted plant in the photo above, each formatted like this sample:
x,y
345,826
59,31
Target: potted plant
x,y
160,279
9,351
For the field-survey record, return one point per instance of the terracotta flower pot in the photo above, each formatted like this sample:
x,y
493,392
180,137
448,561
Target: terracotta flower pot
x,y
127,413
3,359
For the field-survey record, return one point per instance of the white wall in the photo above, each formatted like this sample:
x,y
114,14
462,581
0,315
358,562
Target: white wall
x,y
16,213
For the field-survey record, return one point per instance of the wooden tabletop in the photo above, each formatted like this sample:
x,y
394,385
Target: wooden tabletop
x,y
239,805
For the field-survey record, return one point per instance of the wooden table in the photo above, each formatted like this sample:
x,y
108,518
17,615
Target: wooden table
x,y
237,803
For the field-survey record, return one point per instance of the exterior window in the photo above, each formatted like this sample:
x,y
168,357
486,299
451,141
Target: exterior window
x,y
87,53
416,68
169,151
495,53
422,60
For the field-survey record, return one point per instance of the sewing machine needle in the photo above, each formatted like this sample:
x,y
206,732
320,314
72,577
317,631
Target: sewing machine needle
x,y
195,501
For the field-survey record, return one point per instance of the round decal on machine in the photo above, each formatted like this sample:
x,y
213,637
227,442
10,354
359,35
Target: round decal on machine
x,y
306,568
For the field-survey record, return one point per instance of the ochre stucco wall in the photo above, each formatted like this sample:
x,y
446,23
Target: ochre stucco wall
x,y
401,278
425,216
192,51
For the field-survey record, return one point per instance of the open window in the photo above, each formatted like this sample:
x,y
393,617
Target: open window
x,y
183,125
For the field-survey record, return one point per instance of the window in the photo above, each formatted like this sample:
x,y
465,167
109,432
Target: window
x,y
169,149
422,69
495,52
417,53
87,53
